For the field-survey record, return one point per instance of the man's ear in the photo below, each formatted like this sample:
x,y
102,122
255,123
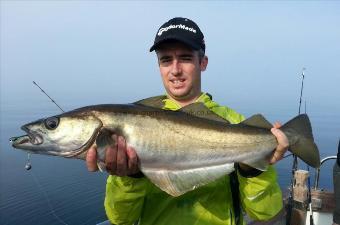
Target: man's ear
x,y
204,63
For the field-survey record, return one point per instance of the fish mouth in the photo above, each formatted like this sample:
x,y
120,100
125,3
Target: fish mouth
x,y
32,138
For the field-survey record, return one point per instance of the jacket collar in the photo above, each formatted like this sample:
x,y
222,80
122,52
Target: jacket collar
x,y
170,104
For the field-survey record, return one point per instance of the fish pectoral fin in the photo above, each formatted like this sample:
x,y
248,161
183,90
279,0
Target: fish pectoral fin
x,y
257,120
177,182
103,140
101,166
198,109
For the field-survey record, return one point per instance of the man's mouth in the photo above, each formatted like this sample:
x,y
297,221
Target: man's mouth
x,y
177,82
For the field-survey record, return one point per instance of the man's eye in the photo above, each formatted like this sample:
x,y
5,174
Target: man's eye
x,y
186,58
165,62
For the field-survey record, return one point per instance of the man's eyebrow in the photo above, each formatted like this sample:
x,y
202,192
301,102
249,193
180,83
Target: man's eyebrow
x,y
183,55
186,55
165,57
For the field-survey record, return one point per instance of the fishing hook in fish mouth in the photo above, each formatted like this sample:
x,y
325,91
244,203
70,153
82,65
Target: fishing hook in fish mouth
x,y
34,139
19,140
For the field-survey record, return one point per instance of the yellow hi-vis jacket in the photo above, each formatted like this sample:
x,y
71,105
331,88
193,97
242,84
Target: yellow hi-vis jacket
x,y
130,199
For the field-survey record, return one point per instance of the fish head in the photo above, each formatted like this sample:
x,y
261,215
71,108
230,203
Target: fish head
x,y
64,135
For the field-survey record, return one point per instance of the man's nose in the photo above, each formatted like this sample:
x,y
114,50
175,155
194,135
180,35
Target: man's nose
x,y
176,68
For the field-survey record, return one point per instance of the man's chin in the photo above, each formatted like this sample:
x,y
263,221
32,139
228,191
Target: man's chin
x,y
180,96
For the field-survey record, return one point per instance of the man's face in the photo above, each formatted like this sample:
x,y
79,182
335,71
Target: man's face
x,y
181,68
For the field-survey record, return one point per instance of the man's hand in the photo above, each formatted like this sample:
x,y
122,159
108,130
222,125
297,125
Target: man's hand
x,y
120,159
282,146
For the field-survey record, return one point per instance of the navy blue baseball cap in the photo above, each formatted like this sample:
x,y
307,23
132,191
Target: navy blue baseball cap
x,y
180,29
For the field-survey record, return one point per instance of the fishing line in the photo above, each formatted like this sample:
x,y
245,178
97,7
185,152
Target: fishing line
x,y
47,199
28,166
287,156
47,96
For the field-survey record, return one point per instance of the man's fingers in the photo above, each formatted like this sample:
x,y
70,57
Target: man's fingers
x,y
281,137
111,157
282,146
275,157
121,157
277,124
91,159
132,160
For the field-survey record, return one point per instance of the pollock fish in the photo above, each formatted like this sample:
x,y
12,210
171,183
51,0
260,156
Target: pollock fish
x,y
177,150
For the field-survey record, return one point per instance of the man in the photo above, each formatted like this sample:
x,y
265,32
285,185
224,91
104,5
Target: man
x,y
180,48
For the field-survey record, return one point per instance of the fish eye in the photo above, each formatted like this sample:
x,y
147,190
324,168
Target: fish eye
x,y
51,123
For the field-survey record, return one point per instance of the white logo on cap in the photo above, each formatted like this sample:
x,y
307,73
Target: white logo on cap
x,y
180,26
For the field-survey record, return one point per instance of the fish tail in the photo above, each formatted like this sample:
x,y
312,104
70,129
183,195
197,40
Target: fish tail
x,y
301,141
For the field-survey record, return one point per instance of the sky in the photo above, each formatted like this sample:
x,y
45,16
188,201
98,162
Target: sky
x,y
92,52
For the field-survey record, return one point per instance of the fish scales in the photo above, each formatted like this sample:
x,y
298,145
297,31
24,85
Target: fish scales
x,y
181,141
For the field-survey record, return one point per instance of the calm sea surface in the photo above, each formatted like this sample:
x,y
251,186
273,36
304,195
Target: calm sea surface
x,y
62,191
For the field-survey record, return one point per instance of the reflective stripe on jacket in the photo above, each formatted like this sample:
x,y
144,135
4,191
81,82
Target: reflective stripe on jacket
x,y
130,199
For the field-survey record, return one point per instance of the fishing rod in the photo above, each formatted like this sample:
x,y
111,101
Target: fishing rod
x,y
295,158
301,90
295,161
311,220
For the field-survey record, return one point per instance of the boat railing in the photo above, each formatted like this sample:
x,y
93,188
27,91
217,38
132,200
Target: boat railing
x,y
317,173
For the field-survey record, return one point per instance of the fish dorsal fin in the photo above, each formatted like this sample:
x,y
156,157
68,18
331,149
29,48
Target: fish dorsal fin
x,y
198,109
257,120
176,182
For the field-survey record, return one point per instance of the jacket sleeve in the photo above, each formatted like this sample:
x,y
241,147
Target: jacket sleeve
x,y
124,199
261,196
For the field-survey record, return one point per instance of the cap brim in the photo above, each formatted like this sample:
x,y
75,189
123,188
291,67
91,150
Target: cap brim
x,y
182,40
